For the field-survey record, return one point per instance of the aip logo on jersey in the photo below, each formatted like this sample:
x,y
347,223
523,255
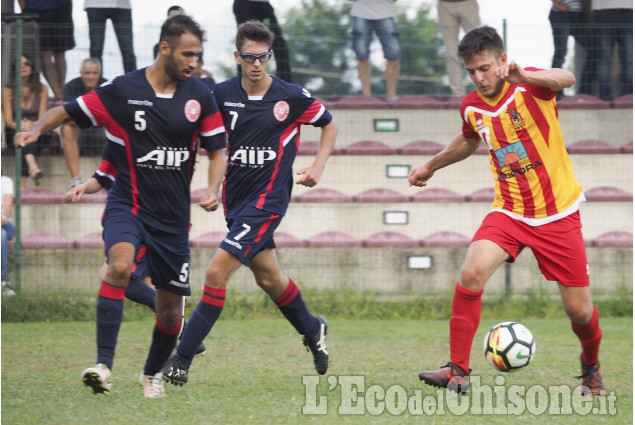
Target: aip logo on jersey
x,y
281,110
192,110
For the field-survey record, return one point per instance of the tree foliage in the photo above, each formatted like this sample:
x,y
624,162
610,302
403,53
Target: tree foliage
x,y
319,36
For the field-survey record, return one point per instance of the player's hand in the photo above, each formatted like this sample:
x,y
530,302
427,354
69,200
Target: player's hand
x,y
309,176
512,73
420,175
24,138
76,193
209,201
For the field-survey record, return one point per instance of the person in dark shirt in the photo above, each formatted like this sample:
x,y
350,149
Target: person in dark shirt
x,y
89,78
263,115
154,118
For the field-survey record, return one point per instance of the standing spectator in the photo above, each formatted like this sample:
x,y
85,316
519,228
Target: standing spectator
x,y
567,18
120,14
263,115
34,105
261,10
153,117
613,20
8,231
56,28
455,15
72,136
376,16
513,111
172,10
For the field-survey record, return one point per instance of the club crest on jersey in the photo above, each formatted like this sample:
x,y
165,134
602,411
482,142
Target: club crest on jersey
x,y
281,110
192,110
517,120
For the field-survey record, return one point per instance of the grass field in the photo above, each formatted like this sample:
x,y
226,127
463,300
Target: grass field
x,y
253,374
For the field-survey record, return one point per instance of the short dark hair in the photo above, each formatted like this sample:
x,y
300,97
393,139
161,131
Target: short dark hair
x,y
173,28
173,8
255,31
479,40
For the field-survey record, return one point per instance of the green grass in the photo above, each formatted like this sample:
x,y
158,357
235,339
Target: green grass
x,y
252,372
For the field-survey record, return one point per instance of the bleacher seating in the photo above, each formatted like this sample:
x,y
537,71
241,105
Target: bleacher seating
x,y
369,147
380,195
360,102
46,240
90,241
583,101
389,239
486,194
320,194
41,195
591,146
447,239
437,194
608,194
625,101
417,101
333,239
208,240
421,147
614,239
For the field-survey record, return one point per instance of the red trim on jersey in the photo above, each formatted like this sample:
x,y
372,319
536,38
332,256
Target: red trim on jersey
x,y
106,290
263,196
212,122
107,167
101,115
499,134
310,112
140,253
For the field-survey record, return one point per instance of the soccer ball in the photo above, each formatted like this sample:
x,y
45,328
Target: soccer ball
x,y
509,346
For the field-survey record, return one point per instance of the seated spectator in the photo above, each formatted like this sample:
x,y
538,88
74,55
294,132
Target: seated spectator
x,y
8,231
72,136
34,105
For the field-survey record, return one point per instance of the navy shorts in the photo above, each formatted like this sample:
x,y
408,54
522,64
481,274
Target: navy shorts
x,y
250,232
167,255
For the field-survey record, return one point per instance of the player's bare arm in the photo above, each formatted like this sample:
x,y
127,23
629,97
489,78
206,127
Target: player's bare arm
x,y
52,119
76,193
216,172
555,79
459,149
311,176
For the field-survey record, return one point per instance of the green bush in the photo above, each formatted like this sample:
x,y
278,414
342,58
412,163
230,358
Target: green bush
x,y
73,306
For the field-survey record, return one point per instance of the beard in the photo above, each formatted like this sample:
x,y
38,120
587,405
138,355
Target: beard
x,y
497,89
172,69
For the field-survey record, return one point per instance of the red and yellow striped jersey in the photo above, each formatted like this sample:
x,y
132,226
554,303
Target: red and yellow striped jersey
x,y
529,161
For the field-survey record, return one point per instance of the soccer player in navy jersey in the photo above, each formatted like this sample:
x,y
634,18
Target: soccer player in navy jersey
x,y
262,116
153,119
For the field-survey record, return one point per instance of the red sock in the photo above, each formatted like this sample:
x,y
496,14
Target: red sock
x,y
466,315
590,336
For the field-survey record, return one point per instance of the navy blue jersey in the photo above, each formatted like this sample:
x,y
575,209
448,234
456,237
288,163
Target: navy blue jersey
x,y
152,143
263,138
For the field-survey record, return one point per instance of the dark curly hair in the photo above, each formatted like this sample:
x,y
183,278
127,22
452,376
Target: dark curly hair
x,y
33,80
479,40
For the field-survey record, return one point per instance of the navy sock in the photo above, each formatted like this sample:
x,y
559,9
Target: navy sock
x,y
294,309
109,315
163,342
200,324
141,293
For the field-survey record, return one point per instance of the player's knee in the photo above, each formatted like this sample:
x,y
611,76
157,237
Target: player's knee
x,y
579,313
472,277
169,318
215,277
118,271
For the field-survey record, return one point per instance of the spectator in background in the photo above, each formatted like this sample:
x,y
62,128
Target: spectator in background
x,y
34,105
261,10
72,136
455,15
55,23
120,14
376,16
8,231
613,20
204,75
567,18
172,10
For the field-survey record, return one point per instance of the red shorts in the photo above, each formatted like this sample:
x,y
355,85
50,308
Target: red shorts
x,y
558,246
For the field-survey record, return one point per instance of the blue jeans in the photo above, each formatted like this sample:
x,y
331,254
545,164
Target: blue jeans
x,y
386,30
122,22
8,233
614,26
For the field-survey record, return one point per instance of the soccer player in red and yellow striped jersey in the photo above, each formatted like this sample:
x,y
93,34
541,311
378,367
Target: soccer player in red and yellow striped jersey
x,y
513,110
